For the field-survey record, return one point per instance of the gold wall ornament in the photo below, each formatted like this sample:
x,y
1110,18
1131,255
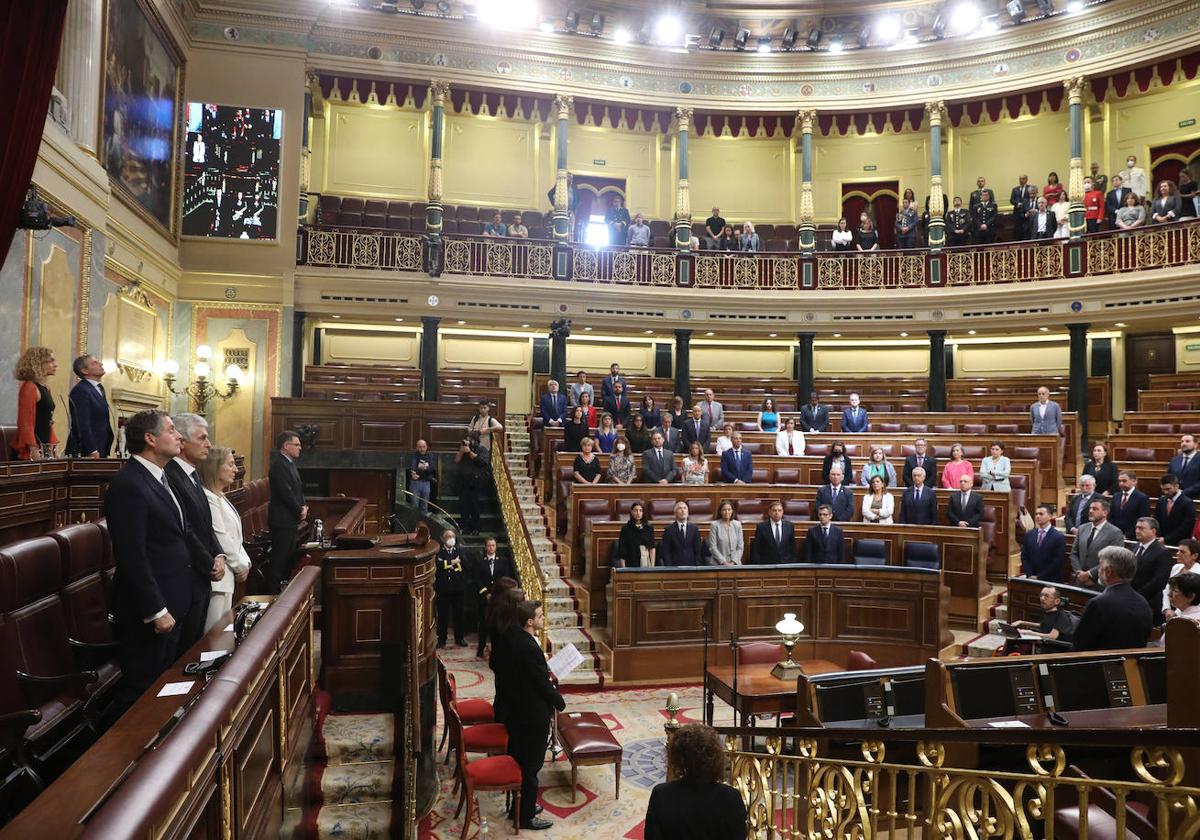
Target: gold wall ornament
x,y
1152,249
1157,765
870,272
831,273
931,753
745,272
683,118
439,92
562,106
499,258
540,261
1038,755
936,197
435,179
364,250
321,247
584,264
960,268
1075,185
912,270
624,267
683,201
662,270
305,170
784,273
458,256
934,110
807,117
408,253
708,272
225,769
806,202
1075,88
561,204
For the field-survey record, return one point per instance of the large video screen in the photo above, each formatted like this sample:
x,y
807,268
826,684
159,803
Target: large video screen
x,y
231,171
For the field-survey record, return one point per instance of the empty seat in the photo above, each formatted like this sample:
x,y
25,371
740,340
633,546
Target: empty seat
x,y
870,553
535,221
765,232
449,226
659,227
661,242
922,555
662,508
884,407
1005,428
329,210
759,475
375,213
911,407
777,245
486,213
916,428
785,232
759,653
398,208
944,428
858,660
470,228
885,427
797,509
399,223
700,509
750,510
1159,428
468,214
1137,453
352,212
416,210
974,429
787,475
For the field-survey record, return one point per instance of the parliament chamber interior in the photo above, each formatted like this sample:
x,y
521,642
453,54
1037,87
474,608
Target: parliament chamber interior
x,y
702,420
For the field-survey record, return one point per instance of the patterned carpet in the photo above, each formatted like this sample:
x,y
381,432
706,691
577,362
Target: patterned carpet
x,y
636,718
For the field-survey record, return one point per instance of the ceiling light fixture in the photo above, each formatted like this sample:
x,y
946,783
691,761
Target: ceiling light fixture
x,y
904,335
864,35
621,36
887,29
938,30
911,37
715,36
1120,324
788,41
837,335
571,21
1044,329
710,332
970,332
991,23
597,24
764,45
547,27
964,18
1074,6
649,332
1046,7
835,44
773,335
668,30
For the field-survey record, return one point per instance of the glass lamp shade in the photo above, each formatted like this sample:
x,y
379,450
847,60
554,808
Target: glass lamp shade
x,y
790,629
789,626
204,352
233,373
202,369
170,367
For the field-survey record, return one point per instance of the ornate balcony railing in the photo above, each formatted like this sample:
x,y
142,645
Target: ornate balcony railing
x,y
1141,249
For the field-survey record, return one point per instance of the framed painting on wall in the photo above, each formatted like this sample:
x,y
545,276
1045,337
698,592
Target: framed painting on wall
x,y
142,87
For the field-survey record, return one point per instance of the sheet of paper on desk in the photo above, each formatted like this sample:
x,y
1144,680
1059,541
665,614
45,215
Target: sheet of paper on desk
x,y
206,655
171,689
565,661
1009,724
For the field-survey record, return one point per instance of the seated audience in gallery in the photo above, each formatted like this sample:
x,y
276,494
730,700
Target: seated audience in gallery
x,y
737,465
1043,224
1189,192
35,405
1101,467
728,240
680,543
1053,189
919,502
517,229
965,508
649,411
1176,513
695,465
878,505
1186,557
726,541
906,225
1129,504
553,405
868,239
1019,199
750,239
995,469
957,467
920,457
789,440
768,417
1118,618
575,429
635,545
774,539
958,224
1132,214
854,416
1166,204
587,463
725,439
837,495
842,238
1093,206
671,434
638,433
621,466
1043,548
581,386
814,417
495,227
714,226
837,458
877,466
824,542
658,462
617,219
606,433
984,219
696,428
639,233
1115,200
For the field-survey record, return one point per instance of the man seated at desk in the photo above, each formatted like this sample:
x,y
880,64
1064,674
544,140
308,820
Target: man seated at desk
x,y
1056,622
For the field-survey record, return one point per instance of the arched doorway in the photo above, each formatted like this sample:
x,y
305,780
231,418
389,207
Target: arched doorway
x,y
881,201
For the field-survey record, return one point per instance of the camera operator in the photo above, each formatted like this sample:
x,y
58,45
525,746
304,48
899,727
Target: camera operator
x,y
474,474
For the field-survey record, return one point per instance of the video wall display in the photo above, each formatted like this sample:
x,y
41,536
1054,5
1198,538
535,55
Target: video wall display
x,y
231,171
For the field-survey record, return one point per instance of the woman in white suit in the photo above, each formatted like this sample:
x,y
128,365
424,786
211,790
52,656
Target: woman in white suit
x,y
217,474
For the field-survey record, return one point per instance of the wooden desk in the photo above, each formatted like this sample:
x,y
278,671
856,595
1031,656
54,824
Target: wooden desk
x,y
758,692
1126,717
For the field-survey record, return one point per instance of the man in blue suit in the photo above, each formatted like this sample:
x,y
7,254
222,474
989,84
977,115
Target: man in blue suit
x,y
1186,467
91,434
1045,414
1044,548
553,405
737,467
837,496
854,417
824,542
680,544
920,502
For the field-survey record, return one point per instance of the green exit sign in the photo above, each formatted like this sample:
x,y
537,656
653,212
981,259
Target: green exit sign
x,y
1187,123
870,167
599,162
1191,348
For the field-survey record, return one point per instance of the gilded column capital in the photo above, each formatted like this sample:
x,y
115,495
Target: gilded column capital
x,y
312,79
683,118
562,105
808,119
934,111
439,89
1075,87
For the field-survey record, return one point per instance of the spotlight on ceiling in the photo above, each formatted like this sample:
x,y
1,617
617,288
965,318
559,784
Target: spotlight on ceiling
x,y
991,23
764,45
571,21
547,27
789,38
668,30
938,29
887,29
622,36
964,18
1016,10
740,39
835,44
911,37
389,6
597,25
814,38
1074,6
715,36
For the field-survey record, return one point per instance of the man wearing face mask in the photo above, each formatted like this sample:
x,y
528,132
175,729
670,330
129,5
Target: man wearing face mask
x,y
448,585
1134,177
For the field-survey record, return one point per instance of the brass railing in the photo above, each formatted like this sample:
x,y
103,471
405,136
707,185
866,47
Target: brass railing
x,y
528,568
904,786
1141,249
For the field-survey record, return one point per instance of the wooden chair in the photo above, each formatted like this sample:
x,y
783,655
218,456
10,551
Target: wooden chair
x,y
498,772
471,711
486,738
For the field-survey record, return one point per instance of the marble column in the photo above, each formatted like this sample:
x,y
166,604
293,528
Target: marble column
x,y
804,367
79,69
937,221
683,200
683,365
562,209
429,358
936,399
808,227
1077,394
1075,88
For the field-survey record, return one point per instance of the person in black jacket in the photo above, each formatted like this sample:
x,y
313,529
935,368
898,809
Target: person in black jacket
x,y
680,544
208,559
1117,618
91,434
774,539
474,477
449,583
1129,504
501,616
1101,466
286,509
697,805
824,542
534,700
485,570
1154,561
1176,513
983,217
636,534
920,457
919,505
152,590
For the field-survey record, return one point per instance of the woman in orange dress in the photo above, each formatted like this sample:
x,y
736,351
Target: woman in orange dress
x,y
35,405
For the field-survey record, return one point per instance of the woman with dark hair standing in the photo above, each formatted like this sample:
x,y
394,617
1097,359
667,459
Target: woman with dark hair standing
x,y
500,615
1102,467
635,545
697,805
837,457
574,430
35,405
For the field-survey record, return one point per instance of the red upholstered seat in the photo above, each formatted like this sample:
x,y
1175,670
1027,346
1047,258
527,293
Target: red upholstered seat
x,y
916,428
1179,406
1005,428
474,712
586,740
1159,428
857,660
494,771
759,653
490,738
1134,453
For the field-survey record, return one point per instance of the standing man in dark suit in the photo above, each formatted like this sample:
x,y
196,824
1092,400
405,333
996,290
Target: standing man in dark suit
x,y
966,506
919,505
1114,201
1019,200
485,570
553,406
774,539
1044,548
1176,513
152,589
207,556
854,416
737,467
919,458
658,462
1129,504
696,428
680,545
534,700
1154,561
91,434
617,404
607,388
984,218
824,542
814,417
286,509
1186,466
1117,618
837,496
